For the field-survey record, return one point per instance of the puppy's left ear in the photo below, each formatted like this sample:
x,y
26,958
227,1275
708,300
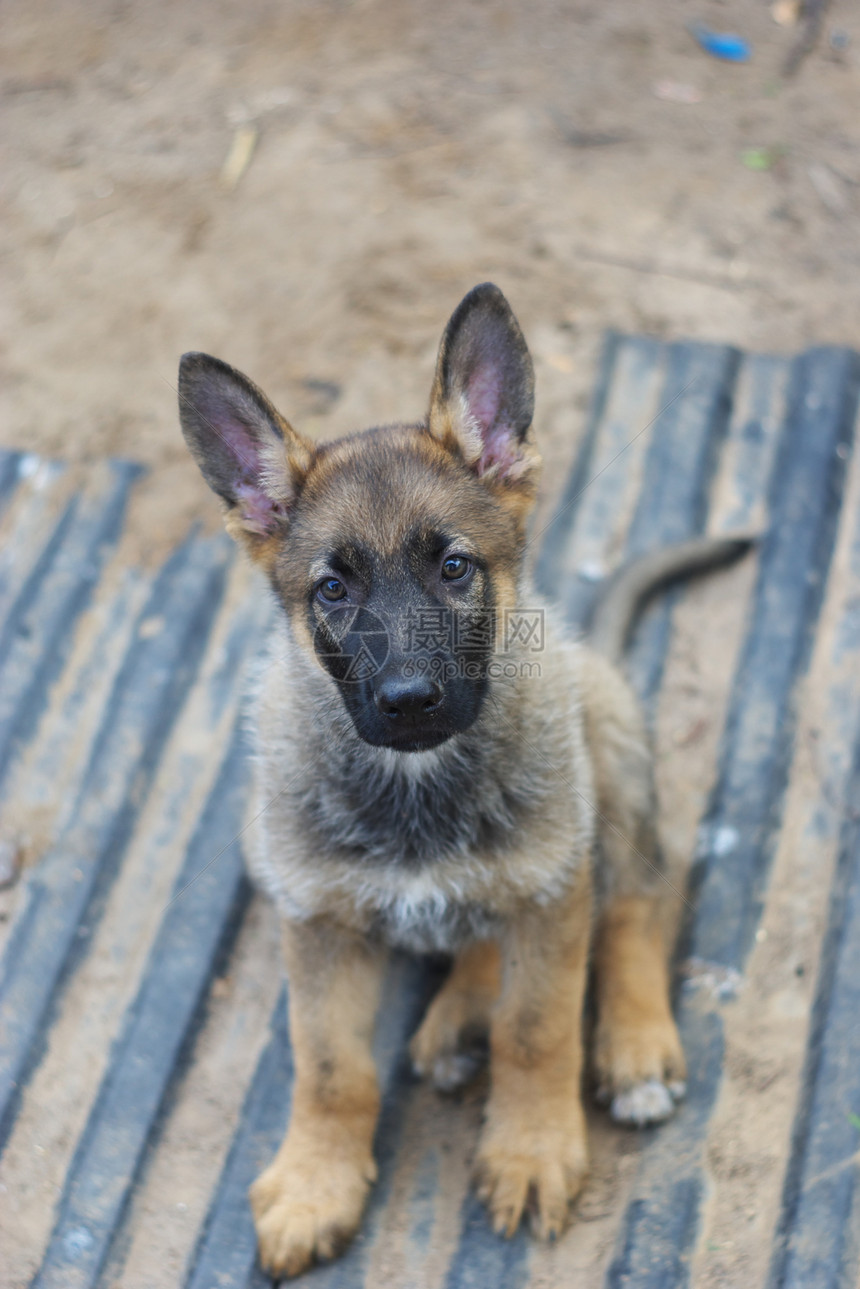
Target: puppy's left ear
x,y
482,402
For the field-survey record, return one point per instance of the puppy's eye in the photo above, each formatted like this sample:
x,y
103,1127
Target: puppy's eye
x,y
455,567
331,589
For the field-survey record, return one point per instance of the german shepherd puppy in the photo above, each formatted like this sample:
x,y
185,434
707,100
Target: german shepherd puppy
x,y
424,779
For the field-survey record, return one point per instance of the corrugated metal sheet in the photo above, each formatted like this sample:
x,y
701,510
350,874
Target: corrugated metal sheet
x,y
144,1063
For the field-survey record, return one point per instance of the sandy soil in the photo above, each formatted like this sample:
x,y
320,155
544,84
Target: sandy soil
x,y
403,152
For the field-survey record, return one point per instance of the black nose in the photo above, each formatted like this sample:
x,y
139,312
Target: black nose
x,y
408,701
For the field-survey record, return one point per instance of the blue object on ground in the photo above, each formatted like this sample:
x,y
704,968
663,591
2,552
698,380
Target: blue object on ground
x,y
725,45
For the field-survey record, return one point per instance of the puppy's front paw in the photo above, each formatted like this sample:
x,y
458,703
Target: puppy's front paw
x,y
306,1210
536,1169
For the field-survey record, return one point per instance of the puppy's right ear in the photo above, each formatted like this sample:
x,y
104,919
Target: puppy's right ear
x,y
249,455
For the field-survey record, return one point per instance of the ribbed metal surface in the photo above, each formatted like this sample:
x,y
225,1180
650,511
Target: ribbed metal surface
x,y
144,1062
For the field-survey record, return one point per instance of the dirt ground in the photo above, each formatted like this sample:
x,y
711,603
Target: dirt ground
x,y
403,152
397,153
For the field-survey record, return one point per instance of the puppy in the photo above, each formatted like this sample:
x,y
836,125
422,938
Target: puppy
x,y
436,769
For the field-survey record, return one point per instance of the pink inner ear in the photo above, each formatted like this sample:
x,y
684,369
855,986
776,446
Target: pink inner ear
x,y
484,396
260,514
235,437
501,449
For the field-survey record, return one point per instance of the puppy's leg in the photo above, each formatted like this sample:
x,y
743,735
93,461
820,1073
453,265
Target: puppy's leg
x,y
533,1147
309,1201
450,1044
638,1058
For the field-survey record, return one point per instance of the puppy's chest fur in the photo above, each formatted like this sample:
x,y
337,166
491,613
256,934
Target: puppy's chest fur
x,y
409,811
427,850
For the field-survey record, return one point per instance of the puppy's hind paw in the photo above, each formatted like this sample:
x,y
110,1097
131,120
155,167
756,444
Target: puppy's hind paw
x,y
455,1070
648,1102
449,1056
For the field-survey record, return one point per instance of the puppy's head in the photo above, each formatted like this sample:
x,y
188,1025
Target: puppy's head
x,y
393,552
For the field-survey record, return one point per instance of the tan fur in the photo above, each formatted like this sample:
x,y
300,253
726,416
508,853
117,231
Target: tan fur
x,y
262,551
309,1201
636,1038
460,1013
533,1148
623,783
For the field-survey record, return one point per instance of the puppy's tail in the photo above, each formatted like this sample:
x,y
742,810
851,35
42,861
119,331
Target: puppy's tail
x,y
628,589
